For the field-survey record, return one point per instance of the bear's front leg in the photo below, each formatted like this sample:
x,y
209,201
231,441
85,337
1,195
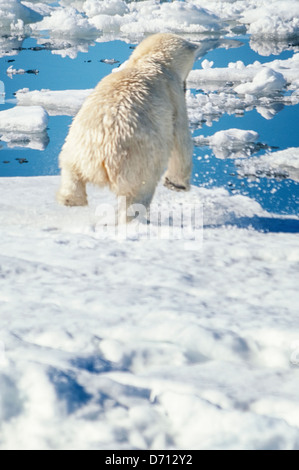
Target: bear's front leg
x,y
177,176
175,186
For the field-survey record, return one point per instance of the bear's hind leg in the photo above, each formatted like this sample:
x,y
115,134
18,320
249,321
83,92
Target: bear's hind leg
x,y
72,191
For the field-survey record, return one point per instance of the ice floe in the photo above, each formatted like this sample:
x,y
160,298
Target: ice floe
x,y
11,71
136,18
282,164
265,82
242,88
14,16
28,119
178,17
59,102
113,7
90,18
264,18
273,19
238,72
67,22
232,143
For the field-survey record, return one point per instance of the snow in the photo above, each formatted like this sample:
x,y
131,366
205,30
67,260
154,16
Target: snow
x,y
281,164
142,343
29,119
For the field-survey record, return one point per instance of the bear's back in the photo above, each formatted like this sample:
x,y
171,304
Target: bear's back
x,y
128,101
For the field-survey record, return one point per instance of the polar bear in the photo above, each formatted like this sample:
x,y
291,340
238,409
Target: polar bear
x,y
133,127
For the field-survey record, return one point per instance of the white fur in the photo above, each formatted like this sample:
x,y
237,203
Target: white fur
x,y
132,126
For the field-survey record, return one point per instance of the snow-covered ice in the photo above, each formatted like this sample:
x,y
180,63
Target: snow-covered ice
x,y
176,17
86,18
243,88
14,16
265,82
264,18
72,24
237,72
281,164
273,19
232,143
31,119
11,71
58,102
24,126
144,344
67,23
232,136
93,18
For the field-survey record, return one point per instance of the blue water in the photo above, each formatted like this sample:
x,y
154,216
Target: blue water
x,y
57,73
279,133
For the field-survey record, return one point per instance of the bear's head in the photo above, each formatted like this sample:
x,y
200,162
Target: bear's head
x,y
169,50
